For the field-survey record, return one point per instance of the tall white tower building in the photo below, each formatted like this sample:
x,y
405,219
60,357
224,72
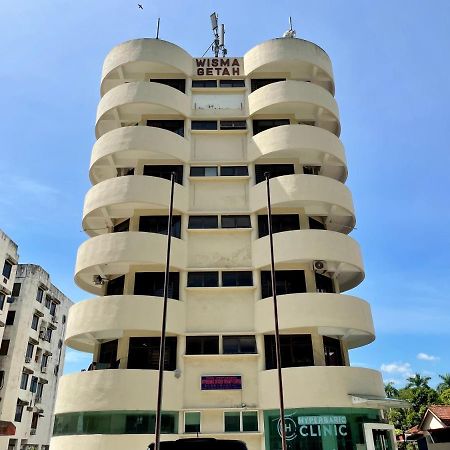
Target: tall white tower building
x,y
219,124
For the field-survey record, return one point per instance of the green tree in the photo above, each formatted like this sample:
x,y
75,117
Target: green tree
x,y
391,390
444,397
445,383
417,381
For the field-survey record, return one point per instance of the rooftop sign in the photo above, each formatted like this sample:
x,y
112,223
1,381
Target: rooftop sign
x,y
218,67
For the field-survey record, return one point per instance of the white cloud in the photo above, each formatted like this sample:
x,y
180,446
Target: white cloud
x,y
401,368
426,357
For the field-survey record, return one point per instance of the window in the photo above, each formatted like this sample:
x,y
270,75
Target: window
x,y
266,124
10,318
16,289
30,350
280,222
34,424
152,283
176,126
241,421
204,125
178,84
197,171
48,334
203,279
324,283
108,355
203,222
33,384
235,222
159,224
234,278
231,83
39,294
44,362
275,170
48,301
234,171
296,351
53,309
122,226
287,282
115,286
4,347
19,412
143,353
39,391
7,269
239,345
316,224
191,422
333,351
260,82
35,322
24,381
165,171
311,170
2,300
233,125
204,83
202,345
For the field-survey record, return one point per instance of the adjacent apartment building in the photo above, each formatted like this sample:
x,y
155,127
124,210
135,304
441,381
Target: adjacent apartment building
x,y
31,356
220,124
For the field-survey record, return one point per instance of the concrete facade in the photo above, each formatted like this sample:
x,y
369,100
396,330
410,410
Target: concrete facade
x,y
33,364
219,124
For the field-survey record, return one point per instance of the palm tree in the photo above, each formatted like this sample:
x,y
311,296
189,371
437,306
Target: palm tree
x,y
445,384
417,381
390,389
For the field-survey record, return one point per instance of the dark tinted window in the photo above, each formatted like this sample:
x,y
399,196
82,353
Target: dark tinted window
x,y
2,300
244,278
201,222
239,344
324,283
260,82
203,279
265,124
178,84
165,172
143,353
122,226
152,283
233,125
10,317
159,224
275,170
108,354
311,170
115,286
176,126
296,351
16,289
232,83
4,347
280,222
287,282
315,224
333,351
39,295
202,345
201,444
204,125
7,268
201,171
35,322
204,83
235,222
234,171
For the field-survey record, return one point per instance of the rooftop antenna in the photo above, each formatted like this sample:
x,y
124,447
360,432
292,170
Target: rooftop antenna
x,y
157,28
218,45
291,33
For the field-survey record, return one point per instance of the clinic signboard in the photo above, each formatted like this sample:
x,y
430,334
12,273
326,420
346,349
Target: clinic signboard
x,y
221,382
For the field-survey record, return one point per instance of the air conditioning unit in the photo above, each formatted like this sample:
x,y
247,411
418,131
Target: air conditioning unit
x,y
30,408
32,431
43,369
11,299
320,266
27,359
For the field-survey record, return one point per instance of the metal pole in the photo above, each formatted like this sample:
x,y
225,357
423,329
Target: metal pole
x,y
162,347
275,314
157,29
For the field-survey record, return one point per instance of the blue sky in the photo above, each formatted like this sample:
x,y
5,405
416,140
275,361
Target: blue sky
x,y
391,65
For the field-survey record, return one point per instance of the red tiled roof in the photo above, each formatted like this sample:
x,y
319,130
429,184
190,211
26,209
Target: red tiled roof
x,y
442,412
414,430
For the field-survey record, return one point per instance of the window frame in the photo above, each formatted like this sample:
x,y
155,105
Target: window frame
x,y
201,219
203,171
201,341
204,125
35,316
7,269
241,422
239,278
239,344
10,318
236,218
205,283
199,422
244,170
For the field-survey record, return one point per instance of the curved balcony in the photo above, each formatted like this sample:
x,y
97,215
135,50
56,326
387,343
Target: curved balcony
x,y
128,102
319,386
333,315
124,147
305,101
113,254
107,441
111,317
116,390
132,60
296,57
317,195
340,252
311,145
118,198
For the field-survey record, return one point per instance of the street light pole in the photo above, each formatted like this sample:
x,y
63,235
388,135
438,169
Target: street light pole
x,y
162,348
275,314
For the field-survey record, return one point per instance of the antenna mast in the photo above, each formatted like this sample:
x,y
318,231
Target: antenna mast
x,y
218,44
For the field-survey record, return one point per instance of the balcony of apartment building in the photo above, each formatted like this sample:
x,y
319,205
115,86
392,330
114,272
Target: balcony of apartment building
x,y
297,59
